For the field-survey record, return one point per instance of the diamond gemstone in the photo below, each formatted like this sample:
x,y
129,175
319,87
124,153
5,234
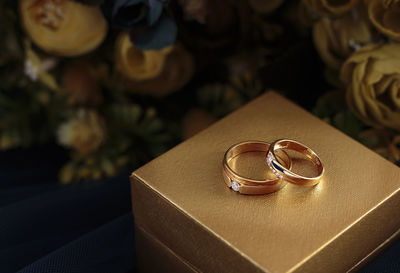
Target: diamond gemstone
x,y
235,186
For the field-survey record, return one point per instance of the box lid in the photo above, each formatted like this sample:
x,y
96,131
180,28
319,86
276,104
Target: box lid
x,y
181,199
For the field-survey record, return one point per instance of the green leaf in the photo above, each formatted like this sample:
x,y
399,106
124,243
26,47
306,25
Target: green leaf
x,y
348,123
330,104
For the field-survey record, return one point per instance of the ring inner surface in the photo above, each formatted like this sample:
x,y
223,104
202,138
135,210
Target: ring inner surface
x,y
248,161
251,165
304,160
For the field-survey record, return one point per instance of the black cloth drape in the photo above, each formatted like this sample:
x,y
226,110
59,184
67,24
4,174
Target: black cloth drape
x,y
48,227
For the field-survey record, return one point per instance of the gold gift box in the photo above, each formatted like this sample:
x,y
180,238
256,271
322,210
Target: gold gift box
x,y
193,220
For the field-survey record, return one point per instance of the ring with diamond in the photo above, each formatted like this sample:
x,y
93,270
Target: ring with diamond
x,y
284,172
247,185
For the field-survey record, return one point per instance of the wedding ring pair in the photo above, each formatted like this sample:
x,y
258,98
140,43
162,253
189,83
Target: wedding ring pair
x,y
277,160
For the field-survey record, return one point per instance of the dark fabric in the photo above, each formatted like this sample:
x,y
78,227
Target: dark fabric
x,y
83,228
47,227
106,249
387,262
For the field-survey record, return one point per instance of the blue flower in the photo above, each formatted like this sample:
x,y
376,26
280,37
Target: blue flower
x,y
147,21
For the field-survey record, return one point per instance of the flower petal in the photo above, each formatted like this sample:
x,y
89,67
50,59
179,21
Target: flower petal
x,y
155,10
158,36
130,16
123,3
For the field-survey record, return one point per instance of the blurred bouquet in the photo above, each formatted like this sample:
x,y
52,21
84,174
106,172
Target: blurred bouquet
x,y
70,71
117,82
359,43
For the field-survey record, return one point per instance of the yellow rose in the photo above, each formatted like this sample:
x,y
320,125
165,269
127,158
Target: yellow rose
x,y
335,39
330,7
136,64
62,27
373,78
385,15
85,133
153,72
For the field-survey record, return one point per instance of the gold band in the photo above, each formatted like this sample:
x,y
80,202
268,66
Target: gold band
x,y
285,173
246,185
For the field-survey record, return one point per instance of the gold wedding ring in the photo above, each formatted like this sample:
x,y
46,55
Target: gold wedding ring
x,y
247,185
285,173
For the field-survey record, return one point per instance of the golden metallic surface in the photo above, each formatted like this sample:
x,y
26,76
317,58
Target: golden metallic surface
x,y
285,173
246,184
180,199
154,257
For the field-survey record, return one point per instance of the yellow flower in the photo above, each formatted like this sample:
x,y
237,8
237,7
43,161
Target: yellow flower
x,y
36,69
136,64
153,72
373,78
330,7
62,27
335,39
385,15
85,133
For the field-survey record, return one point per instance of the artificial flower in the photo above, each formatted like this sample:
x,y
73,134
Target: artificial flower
x,y
37,69
330,7
80,85
84,133
136,64
335,39
226,26
385,15
372,75
265,7
149,25
177,70
61,27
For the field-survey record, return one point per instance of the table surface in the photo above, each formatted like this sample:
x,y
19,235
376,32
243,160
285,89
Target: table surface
x,y
85,227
